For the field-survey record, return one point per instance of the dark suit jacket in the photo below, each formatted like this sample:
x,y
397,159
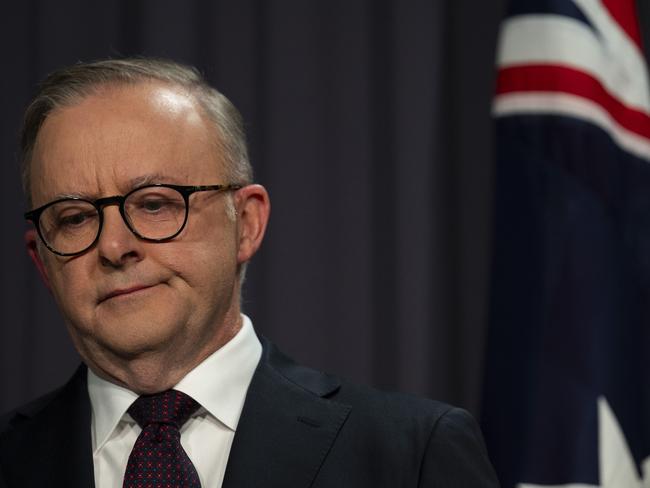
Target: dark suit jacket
x,y
299,428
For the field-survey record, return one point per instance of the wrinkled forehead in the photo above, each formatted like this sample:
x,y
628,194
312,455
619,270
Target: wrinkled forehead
x,y
120,134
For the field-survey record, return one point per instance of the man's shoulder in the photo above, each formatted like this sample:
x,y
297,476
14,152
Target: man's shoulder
x,y
403,414
52,431
421,442
22,413
371,408
51,404
391,404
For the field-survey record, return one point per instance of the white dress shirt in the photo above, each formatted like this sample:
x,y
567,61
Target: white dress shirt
x,y
219,384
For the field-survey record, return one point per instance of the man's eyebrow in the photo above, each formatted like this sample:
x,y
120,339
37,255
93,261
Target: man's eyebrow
x,y
61,196
139,181
150,179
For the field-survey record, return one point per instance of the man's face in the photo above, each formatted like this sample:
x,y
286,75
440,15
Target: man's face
x,y
127,301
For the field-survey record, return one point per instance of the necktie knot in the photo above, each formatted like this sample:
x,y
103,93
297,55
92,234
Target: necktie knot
x,y
168,407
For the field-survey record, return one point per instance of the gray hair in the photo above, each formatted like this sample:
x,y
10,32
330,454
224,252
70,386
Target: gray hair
x,y
67,86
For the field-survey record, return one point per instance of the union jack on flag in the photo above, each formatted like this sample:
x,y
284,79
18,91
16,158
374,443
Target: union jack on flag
x,y
567,389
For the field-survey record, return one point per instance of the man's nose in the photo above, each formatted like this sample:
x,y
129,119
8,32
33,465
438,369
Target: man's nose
x,y
117,245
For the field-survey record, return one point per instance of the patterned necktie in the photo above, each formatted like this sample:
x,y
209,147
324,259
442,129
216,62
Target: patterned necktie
x,y
158,460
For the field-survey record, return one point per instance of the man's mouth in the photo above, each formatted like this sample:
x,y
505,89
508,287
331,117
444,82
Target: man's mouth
x,y
124,292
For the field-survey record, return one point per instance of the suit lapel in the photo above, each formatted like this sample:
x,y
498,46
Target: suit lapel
x,y
286,431
50,443
287,428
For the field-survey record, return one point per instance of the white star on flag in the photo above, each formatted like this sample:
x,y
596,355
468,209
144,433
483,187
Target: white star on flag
x,y
616,466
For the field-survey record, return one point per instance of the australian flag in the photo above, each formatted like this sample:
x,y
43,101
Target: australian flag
x,y
567,390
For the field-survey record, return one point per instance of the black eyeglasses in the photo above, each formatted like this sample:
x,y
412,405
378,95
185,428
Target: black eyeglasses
x,y
71,226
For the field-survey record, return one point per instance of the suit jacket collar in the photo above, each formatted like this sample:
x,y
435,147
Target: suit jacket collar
x,y
287,425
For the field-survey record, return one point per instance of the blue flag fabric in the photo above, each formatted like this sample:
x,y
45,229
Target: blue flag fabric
x,y
567,396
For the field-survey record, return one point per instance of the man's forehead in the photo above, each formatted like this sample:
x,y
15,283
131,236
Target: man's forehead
x,y
173,99
144,97
143,133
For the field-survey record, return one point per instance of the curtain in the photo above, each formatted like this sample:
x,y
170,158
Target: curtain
x,y
369,123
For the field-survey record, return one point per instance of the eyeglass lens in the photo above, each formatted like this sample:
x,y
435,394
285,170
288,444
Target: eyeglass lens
x,y
156,213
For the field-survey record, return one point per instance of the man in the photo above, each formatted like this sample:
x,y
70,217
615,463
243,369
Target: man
x,y
145,216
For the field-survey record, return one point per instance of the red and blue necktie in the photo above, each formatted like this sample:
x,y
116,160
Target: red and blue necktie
x,y
158,460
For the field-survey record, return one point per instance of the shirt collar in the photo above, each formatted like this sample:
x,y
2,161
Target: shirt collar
x,y
219,384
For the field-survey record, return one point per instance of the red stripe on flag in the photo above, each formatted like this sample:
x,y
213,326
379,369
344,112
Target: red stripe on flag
x,y
551,78
624,12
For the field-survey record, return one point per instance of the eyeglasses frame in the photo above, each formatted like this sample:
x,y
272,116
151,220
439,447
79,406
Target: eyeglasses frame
x,y
99,204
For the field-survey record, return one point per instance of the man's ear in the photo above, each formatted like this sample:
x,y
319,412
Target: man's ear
x,y
253,209
31,242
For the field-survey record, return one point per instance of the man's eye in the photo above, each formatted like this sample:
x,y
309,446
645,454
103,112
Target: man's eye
x,y
76,219
154,206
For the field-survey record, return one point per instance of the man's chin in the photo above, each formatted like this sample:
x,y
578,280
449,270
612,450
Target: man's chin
x,y
140,348
124,343
138,365
131,331
143,378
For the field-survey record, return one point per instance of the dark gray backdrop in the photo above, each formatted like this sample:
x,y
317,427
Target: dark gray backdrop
x,y
369,125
